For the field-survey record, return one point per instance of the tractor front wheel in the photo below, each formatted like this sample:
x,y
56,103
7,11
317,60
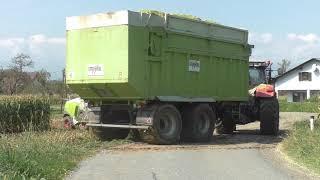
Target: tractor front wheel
x,y
226,124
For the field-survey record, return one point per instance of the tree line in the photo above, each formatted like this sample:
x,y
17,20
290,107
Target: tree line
x,y
20,78
284,65
15,79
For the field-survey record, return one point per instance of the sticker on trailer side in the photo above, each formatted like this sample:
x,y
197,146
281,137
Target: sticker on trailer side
x,y
194,65
95,70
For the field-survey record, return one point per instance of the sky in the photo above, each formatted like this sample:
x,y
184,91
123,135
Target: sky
x,y
286,29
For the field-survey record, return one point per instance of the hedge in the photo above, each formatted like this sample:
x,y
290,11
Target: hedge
x,y
24,113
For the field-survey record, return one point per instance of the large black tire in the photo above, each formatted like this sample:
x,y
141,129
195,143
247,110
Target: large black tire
x,y
107,134
269,116
198,123
166,127
226,124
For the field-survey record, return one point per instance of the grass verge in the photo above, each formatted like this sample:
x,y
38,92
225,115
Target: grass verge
x,y
49,155
56,112
303,146
299,106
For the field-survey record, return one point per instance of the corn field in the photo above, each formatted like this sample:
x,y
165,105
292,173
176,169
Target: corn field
x,y
24,113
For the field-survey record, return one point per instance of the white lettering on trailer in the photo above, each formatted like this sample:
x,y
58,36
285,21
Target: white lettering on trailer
x,y
194,66
95,70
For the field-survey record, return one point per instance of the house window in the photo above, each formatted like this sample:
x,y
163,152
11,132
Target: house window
x,y
305,76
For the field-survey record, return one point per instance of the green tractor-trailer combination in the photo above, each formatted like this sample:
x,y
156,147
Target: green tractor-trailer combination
x,y
167,77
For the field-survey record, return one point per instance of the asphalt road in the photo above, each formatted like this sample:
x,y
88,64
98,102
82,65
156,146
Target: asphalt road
x,y
245,155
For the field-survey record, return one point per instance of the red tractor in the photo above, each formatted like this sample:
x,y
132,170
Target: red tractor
x,y
262,106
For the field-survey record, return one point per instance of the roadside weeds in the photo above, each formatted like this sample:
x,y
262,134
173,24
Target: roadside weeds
x,y
49,154
302,147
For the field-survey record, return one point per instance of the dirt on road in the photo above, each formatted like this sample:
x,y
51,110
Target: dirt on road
x,y
243,155
246,137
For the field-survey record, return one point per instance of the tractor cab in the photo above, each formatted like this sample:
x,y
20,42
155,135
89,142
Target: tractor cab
x,y
262,106
260,80
259,73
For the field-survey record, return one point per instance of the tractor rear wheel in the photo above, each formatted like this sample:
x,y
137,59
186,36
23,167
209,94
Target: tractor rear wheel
x,y
198,123
226,124
166,127
269,116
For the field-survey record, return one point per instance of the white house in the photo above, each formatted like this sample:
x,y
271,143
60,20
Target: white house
x,y
301,82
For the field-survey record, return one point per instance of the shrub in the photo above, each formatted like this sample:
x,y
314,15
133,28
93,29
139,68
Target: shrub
x,y
55,100
314,99
23,113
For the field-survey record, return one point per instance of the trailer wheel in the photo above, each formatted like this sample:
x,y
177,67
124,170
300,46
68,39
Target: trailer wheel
x,y
226,124
166,127
107,134
269,116
198,123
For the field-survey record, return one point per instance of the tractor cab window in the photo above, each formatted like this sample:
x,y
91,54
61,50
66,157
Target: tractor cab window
x,y
256,76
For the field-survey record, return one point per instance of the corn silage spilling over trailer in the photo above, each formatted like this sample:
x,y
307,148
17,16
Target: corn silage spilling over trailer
x,y
163,73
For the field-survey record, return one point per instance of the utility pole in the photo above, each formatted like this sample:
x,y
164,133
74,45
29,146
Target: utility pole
x,y
64,87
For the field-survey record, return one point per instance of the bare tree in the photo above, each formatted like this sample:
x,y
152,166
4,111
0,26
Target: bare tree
x,y
15,78
10,82
21,61
2,75
43,77
283,66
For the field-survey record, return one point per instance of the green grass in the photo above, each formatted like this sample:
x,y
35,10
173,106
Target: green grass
x,y
299,106
50,155
303,146
56,112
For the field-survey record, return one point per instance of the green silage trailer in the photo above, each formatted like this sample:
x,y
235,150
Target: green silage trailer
x,y
165,76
